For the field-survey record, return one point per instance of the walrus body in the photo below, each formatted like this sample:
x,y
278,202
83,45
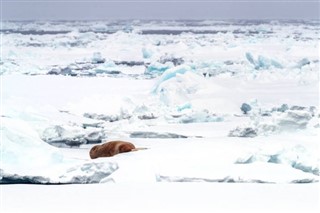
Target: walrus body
x,y
111,148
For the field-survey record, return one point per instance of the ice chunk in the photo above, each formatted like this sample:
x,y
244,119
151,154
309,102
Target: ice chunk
x,y
184,106
180,90
144,112
171,73
130,63
128,28
146,53
64,135
157,67
302,63
246,132
141,134
258,172
6,178
178,85
95,137
298,157
199,116
282,108
276,120
293,119
92,172
97,58
245,108
263,62
110,118
23,150
171,58
107,64
298,108
250,58
68,136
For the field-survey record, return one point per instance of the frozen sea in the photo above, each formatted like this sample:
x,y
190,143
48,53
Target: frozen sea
x,y
229,112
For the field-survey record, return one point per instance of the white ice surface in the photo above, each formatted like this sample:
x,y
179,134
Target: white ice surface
x,y
161,197
40,106
41,101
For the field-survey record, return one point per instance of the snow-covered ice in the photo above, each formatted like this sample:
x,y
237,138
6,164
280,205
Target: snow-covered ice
x,y
25,158
162,197
229,105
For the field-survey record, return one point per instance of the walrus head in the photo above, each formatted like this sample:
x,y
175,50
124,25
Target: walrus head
x,y
93,152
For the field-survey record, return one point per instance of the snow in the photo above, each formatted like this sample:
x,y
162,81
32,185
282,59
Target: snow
x,y
224,105
163,197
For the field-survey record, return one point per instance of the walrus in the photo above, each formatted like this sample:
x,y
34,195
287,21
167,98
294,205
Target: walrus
x,y
112,148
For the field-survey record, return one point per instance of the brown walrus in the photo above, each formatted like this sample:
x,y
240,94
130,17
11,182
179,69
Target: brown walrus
x,y
112,148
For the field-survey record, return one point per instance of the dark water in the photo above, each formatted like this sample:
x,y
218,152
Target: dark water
x,y
109,27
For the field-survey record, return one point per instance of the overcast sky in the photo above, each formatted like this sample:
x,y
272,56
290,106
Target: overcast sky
x,y
153,9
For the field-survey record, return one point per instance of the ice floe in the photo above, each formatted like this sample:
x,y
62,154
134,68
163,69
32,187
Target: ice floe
x,y
25,158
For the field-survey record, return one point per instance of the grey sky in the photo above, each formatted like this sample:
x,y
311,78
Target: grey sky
x,y
153,9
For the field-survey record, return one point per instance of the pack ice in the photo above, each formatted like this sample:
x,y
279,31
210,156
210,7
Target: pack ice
x,y
212,101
